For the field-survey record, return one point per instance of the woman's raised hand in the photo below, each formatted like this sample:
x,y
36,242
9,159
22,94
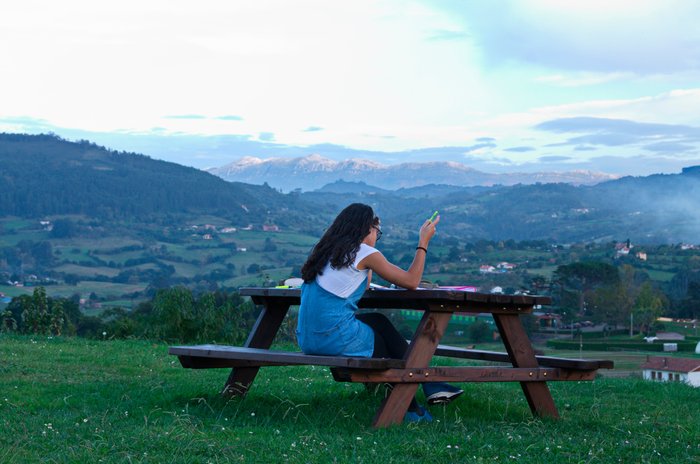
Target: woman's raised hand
x,y
427,231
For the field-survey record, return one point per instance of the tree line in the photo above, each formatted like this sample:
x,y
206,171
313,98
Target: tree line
x,y
173,315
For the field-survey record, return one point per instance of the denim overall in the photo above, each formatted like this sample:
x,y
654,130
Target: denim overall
x,y
327,323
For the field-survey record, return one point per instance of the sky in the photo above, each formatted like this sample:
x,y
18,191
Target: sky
x,y
502,86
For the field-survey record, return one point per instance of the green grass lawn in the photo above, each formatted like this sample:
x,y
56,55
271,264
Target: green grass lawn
x,y
72,400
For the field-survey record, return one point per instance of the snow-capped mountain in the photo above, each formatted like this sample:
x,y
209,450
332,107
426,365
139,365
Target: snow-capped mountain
x,y
314,171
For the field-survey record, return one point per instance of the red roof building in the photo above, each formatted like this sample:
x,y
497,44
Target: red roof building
x,y
670,369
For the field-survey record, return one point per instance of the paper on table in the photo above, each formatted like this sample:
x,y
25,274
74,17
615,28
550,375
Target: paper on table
x,y
459,288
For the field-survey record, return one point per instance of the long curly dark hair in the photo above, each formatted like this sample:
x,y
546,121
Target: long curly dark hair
x,y
341,242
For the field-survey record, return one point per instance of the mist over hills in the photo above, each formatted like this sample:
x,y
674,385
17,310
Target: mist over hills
x,y
653,209
314,171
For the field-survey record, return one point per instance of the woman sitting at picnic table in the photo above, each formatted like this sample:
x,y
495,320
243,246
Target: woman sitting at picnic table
x,y
336,274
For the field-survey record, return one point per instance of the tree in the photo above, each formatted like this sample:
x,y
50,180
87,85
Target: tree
x,y
56,318
269,245
479,331
578,280
35,312
647,307
41,315
63,228
7,322
253,268
173,311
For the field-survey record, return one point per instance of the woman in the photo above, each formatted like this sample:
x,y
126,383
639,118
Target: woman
x,y
336,274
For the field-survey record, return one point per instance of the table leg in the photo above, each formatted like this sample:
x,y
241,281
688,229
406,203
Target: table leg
x,y
261,336
522,354
420,352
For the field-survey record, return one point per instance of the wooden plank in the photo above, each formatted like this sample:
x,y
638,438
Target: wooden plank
x,y
523,355
403,298
280,358
547,361
420,352
461,374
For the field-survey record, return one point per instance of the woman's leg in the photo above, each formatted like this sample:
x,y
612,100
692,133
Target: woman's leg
x,y
389,343
393,344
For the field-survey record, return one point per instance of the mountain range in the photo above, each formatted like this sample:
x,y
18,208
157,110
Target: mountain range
x,y
314,171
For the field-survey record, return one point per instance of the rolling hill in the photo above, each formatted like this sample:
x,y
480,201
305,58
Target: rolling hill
x,y
46,175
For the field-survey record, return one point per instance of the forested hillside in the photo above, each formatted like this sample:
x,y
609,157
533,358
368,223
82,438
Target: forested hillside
x,y
46,175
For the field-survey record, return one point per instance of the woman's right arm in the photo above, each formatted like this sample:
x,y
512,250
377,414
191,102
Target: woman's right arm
x,y
407,279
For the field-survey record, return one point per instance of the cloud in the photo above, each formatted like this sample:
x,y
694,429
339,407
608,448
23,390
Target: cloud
x,y
620,126
186,116
266,136
660,138
553,158
313,129
229,117
25,123
520,149
641,37
609,140
486,139
582,79
669,147
479,146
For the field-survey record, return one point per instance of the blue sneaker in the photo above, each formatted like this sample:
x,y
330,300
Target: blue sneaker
x,y
414,417
440,392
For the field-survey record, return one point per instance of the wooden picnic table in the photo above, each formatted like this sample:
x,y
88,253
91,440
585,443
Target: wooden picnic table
x,y
533,372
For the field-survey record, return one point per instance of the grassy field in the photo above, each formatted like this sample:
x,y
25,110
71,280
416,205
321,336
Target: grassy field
x,y
66,400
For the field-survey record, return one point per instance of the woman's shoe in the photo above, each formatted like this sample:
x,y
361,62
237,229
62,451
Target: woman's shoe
x,y
440,392
414,417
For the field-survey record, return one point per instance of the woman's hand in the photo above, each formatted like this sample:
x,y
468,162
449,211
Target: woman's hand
x,y
391,273
427,231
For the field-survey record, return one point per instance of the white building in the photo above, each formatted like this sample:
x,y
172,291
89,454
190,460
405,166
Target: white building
x,y
667,369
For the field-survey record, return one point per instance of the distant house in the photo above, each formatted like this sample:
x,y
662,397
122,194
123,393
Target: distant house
x,y
667,369
547,320
642,256
270,228
486,269
207,236
506,266
622,251
228,230
623,248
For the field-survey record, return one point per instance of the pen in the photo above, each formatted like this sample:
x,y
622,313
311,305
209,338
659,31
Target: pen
x,y
432,218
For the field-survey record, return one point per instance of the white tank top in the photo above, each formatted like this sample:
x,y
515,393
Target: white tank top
x,y
344,281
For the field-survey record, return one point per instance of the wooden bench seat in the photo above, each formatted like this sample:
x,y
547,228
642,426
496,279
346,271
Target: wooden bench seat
x,y
545,361
213,356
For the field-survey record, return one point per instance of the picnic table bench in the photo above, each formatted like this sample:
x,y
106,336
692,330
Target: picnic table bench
x,y
522,364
